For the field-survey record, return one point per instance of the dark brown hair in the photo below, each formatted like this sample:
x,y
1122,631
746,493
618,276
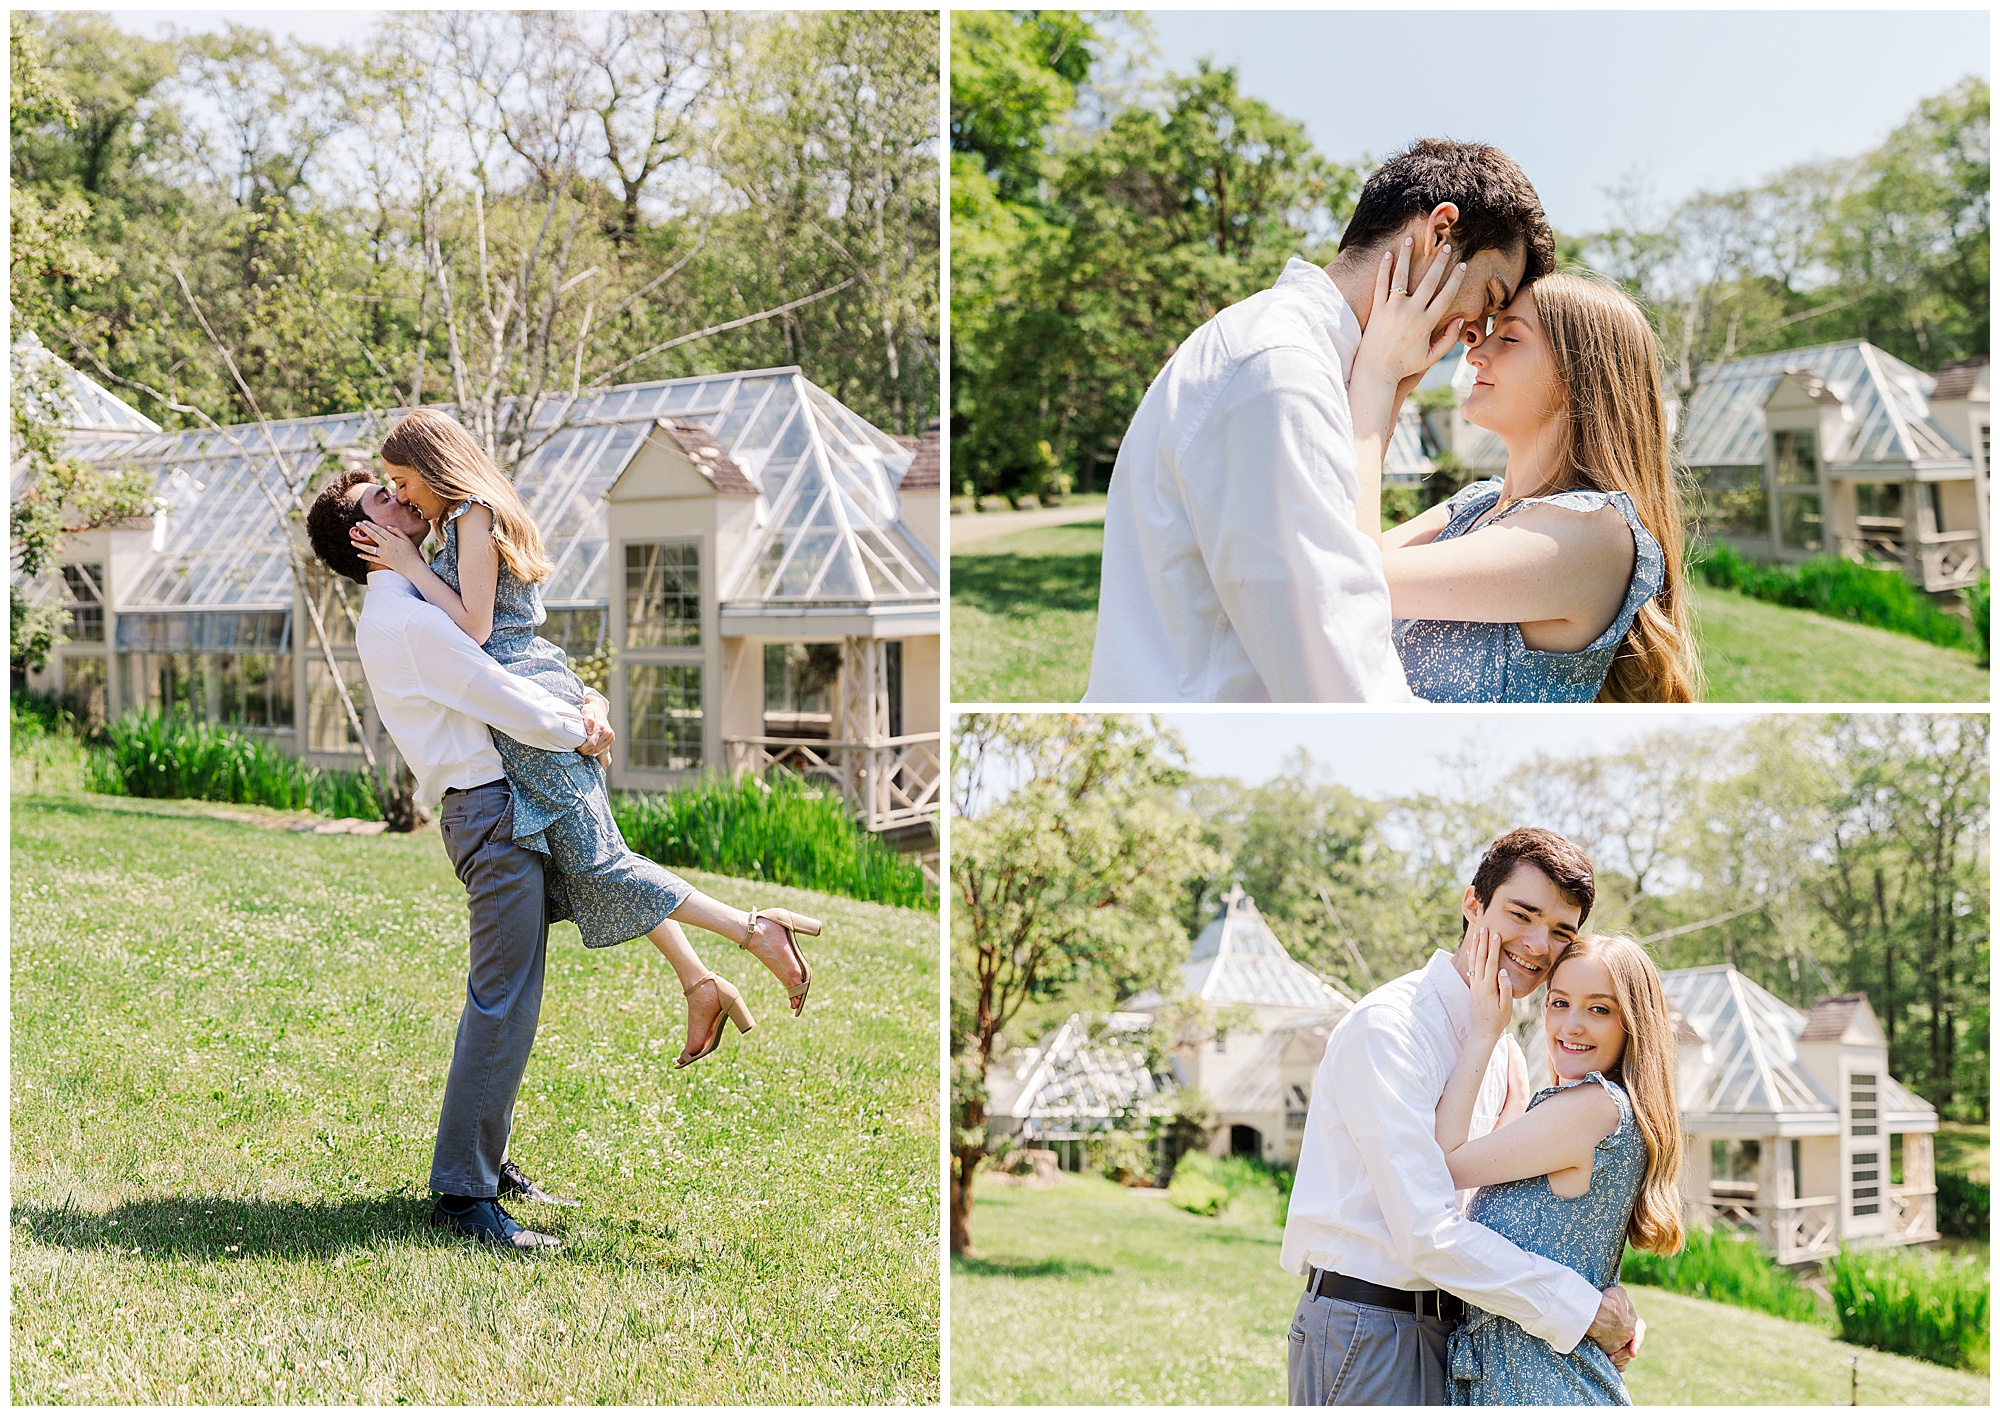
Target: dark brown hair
x,y
1567,867
332,516
1497,206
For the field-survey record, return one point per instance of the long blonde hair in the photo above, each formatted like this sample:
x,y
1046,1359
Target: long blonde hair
x,y
1646,1071
1616,440
443,456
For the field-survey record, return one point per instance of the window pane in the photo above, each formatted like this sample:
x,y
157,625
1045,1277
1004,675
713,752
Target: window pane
x,y
662,594
1793,460
83,687
83,588
255,690
1800,525
798,689
327,728
663,724
1733,501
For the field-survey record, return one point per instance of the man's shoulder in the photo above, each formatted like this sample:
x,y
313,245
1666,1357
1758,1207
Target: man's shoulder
x,y
1275,326
1391,1013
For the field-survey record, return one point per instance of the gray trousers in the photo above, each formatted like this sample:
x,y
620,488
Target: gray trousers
x,y
503,988
1355,1354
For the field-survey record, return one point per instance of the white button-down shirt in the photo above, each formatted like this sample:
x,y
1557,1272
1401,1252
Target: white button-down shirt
x,y
1373,1199
437,692
1233,568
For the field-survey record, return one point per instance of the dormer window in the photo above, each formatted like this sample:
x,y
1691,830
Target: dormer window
x,y
1795,476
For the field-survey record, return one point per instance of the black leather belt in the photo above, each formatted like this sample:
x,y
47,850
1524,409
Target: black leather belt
x,y
1424,1302
450,791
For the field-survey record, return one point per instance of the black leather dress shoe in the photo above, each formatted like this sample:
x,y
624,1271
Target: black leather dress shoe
x,y
513,1182
488,1223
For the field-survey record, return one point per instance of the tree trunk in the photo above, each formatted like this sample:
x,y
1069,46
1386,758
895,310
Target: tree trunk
x,y
965,1166
965,1163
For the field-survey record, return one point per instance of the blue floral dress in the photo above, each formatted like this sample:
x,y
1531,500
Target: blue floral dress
x,y
1491,1361
562,809
1462,661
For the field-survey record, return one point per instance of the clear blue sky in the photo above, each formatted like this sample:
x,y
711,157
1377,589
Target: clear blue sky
x,y
1686,100
1380,754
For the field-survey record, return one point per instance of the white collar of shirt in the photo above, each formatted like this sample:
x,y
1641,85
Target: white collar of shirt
x,y
392,582
1441,976
1332,318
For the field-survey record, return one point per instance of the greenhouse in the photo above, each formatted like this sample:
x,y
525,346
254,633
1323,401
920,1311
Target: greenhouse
x,y
1837,449
1258,1076
746,568
1798,1134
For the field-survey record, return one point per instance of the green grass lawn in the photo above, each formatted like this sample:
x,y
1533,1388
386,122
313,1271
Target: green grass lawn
x,y
1089,1294
229,1045
1024,614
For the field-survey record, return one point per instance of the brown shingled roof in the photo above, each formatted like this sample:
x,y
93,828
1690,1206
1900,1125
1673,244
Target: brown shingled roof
x,y
922,475
1829,1018
707,455
1957,380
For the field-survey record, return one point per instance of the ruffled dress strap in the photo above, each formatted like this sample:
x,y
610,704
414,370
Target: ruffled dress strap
x,y
1611,1089
1649,566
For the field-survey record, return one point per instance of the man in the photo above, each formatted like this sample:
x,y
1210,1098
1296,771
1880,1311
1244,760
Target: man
x,y
438,694
1374,1226
1234,570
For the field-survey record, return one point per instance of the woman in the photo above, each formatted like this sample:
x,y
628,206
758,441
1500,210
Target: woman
x,y
487,579
1593,1163
1562,581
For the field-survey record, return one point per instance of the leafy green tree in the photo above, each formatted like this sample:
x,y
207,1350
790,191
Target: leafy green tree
x,y
1069,855
49,256
1170,214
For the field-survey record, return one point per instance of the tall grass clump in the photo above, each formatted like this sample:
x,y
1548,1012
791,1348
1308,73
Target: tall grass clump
x,y
150,755
45,750
1930,1306
1838,588
783,831
1979,606
1724,1268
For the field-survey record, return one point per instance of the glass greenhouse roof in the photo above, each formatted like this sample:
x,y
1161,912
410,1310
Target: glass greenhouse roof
x,y
1237,959
1884,404
829,523
1749,1053
84,405
1073,1075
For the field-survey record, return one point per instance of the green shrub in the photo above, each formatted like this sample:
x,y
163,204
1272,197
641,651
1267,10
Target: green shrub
x,y
1252,1187
1965,1207
1837,588
1122,1157
1979,606
151,755
1725,1268
1930,1306
1195,1192
787,833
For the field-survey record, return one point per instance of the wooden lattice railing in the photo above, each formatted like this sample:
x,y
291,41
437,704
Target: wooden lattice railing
x,y
890,783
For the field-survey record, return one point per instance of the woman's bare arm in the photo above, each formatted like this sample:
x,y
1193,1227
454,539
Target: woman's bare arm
x,y
478,569
1543,565
1419,530
1560,1134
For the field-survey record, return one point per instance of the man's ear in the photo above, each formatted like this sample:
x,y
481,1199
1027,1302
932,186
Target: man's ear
x,y
1437,227
1470,906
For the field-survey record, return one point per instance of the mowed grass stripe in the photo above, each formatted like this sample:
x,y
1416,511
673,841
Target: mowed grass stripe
x,y
1024,620
228,1049
1090,1294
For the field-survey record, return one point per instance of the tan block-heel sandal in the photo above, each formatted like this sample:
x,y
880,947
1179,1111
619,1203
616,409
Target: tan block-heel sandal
x,y
793,925
730,1007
